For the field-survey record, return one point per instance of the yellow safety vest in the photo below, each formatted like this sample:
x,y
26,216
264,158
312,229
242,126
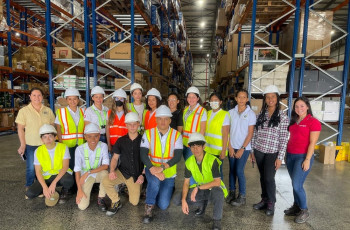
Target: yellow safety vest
x,y
47,168
72,135
213,135
206,175
192,124
156,155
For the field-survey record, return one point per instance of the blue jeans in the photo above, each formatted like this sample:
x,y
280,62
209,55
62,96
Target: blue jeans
x,y
103,138
237,171
159,192
298,176
30,171
187,152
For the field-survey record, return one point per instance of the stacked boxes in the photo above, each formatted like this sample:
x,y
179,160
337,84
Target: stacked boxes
x,y
32,58
331,111
317,111
3,52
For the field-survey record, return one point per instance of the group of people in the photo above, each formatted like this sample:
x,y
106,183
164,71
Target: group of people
x,y
140,144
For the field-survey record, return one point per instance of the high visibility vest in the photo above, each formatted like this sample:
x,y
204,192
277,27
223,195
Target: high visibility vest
x,y
72,135
131,108
149,122
48,168
156,155
213,135
102,121
206,175
118,129
192,124
87,159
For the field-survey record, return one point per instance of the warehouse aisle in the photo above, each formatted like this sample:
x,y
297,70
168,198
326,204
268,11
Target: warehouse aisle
x,y
327,187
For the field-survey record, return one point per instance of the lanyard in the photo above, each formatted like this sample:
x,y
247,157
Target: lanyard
x,y
100,121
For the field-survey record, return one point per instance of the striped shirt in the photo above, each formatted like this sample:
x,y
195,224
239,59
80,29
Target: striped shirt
x,y
272,139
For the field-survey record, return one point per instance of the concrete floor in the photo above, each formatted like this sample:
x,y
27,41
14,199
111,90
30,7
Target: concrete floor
x,y
327,189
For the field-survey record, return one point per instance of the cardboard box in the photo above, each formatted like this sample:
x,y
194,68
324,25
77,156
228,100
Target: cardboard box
x,y
331,106
221,20
318,115
327,154
121,82
138,76
7,119
256,105
316,105
331,116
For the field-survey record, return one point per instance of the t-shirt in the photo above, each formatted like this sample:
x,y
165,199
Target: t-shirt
x,y
214,169
91,116
239,126
176,119
120,114
300,135
75,115
226,120
52,155
139,109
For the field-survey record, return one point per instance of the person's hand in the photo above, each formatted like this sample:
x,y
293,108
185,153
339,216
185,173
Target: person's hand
x,y
185,208
112,175
160,176
231,152
239,153
305,165
154,170
140,179
52,188
278,163
222,155
80,196
83,178
252,157
109,148
21,149
193,194
46,192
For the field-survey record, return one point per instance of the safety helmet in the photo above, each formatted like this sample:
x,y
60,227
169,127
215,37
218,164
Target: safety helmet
x,y
71,92
271,89
119,93
47,129
195,137
135,86
154,92
163,111
92,128
97,90
192,89
132,117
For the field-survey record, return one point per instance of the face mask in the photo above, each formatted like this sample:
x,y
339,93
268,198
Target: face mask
x,y
214,104
119,103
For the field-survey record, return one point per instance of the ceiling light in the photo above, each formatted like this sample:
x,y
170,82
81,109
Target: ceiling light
x,y
332,32
17,34
200,3
207,55
201,46
202,24
201,40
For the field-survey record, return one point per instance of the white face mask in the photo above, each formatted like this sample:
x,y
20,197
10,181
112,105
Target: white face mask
x,y
214,104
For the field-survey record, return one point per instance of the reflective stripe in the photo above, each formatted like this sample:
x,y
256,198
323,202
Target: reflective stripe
x,y
87,159
213,146
63,113
196,120
117,126
72,136
213,135
172,143
100,120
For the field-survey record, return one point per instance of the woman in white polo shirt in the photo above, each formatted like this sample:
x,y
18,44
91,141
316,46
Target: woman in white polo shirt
x,y
243,120
97,113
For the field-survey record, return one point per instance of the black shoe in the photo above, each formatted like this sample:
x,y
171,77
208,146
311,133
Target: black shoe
x,y
239,201
216,224
114,208
292,211
261,205
201,210
148,214
270,210
231,196
63,196
101,204
302,217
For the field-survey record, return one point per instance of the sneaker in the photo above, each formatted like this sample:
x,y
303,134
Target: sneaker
x,y
231,196
292,211
216,224
270,210
101,204
261,205
239,201
114,208
63,196
41,195
201,210
148,217
302,217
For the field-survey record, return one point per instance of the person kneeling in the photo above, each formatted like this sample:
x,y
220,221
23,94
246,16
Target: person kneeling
x,y
205,169
91,163
130,167
51,161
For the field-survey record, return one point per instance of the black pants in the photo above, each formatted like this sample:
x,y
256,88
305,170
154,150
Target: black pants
x,y
72,157
36,189
266,166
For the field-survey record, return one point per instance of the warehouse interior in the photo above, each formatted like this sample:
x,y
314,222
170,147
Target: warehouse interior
x,y
301,46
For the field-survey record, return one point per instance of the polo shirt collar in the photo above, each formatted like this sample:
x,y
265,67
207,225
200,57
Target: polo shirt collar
x,y
97,108
247,109
305,119
32,107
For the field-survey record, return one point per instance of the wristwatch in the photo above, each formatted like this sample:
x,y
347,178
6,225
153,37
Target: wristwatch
x,y
243,147
162,166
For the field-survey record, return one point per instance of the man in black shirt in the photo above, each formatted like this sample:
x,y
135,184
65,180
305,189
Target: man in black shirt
x,y
129,168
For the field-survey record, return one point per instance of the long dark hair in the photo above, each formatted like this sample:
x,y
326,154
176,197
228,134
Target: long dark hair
x,y
159,102
177,98
199,101
114,112
275,118
241,90
295,116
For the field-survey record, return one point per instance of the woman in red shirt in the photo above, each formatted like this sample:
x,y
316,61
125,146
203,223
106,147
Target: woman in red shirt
x,y
304,131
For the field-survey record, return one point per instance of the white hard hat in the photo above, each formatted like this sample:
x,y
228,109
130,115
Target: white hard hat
x,y
71,92
135,86
97,90
119,93
192,89
92,128
271,89
132,117
154,92
194,137
47,129
163,111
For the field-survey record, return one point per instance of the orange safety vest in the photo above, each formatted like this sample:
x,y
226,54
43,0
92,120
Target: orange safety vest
x,y
192,124
118,129
150,123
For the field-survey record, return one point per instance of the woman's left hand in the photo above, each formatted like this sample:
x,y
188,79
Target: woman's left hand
x,y
305,165
278,163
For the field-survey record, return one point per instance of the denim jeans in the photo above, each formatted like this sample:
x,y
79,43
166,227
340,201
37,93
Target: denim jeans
x,y
298,176
237,171
30,171
187,152
103,138
159,192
